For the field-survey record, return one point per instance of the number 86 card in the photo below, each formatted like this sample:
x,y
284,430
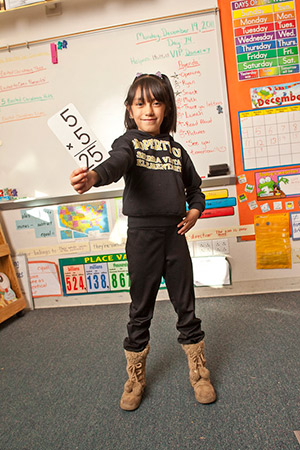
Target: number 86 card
x,y
78,139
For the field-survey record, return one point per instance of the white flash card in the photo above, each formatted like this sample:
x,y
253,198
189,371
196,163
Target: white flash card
x,y
78,139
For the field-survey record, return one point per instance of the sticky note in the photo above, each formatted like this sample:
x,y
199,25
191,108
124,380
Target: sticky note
x,y
242,198
242,178
249,188
253,205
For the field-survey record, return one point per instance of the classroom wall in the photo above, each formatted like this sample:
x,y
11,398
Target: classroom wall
x,y
33,23
35,89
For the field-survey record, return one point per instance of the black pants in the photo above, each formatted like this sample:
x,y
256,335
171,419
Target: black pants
x,y
151,254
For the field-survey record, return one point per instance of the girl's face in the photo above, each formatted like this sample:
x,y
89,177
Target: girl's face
x,y
148,114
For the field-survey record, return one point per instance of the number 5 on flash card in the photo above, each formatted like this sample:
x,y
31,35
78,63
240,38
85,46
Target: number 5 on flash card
x,y
78,139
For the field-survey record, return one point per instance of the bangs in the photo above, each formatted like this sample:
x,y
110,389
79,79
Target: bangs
x,y
150,87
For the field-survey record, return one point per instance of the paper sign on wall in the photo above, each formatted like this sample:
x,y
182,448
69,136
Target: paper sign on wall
x,y
21,269
44,278
295,224
211,271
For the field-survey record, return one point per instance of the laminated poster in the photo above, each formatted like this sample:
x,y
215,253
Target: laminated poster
x,y
273,247
278,95
83,221
265,37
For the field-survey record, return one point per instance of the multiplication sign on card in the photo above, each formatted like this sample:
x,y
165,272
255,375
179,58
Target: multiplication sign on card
x,y
77,138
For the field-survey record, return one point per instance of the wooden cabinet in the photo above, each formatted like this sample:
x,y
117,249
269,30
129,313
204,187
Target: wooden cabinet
x,y
7,267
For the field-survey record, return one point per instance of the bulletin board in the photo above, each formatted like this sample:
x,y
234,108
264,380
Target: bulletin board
x,y
94,71
261,54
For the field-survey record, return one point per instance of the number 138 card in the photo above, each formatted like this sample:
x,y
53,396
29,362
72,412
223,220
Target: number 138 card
x,y
78,139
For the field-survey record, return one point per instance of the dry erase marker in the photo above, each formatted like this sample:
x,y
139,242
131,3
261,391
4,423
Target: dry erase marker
x,y
53,53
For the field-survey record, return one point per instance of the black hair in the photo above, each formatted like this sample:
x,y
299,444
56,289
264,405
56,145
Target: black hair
x,y
160,87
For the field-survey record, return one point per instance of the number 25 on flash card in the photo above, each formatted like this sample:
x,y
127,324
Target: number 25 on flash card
x,y
77,138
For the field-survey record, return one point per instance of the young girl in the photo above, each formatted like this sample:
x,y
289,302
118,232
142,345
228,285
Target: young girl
x,y
159,179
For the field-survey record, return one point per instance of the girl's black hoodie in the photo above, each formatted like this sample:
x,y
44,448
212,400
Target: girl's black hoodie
x,y
160,177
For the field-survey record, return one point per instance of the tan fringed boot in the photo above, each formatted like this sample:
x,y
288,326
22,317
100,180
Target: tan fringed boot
x,y
199,374
135,385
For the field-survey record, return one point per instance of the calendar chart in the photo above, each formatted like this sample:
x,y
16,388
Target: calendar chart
x,y
270,137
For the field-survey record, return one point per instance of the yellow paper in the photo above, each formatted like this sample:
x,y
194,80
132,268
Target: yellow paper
x,y
273,246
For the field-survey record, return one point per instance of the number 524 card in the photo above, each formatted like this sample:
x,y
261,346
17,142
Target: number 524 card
x,y
78,139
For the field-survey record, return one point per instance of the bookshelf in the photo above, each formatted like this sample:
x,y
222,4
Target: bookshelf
x,y
6,266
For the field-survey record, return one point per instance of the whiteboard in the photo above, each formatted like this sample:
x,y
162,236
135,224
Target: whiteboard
x,y
94,73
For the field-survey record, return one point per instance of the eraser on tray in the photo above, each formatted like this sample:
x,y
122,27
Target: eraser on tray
x,y
218,169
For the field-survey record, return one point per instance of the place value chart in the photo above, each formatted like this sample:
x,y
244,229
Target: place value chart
x,y
95,274
265,35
